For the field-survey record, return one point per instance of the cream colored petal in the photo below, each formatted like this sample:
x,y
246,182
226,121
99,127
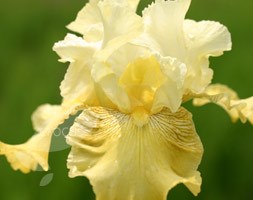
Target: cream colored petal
x,y
124,55
163,21
42,116
74,48
206,38
226,98
78,85
170,93
120,29
89,22
203,39
133,4
108,82
135,157
26,157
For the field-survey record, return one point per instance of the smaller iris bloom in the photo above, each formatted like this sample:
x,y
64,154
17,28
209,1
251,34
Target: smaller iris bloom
x,y
129,76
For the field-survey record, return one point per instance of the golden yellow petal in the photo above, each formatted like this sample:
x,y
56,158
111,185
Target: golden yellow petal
x,y
228,99
135,157
140,80
34,152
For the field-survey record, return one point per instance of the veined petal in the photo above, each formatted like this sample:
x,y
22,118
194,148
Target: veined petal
x,y
203,39
163,22
78,85
74,48
89,22
34,152
143,156
226,98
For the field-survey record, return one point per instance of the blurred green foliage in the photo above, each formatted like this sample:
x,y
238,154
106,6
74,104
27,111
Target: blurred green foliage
x,y
30,76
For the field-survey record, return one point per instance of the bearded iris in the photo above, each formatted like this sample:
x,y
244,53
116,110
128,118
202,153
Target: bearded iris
x,y
129,76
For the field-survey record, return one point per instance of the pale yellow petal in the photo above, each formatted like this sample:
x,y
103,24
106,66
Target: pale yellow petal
x,y
135,157
27,156
133,4
42,116
89,22
228,99
163,22
206,38
74,48
171,91
118,30
203,39
78,85
108,83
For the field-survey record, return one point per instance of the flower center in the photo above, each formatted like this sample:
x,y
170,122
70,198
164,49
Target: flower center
x,y
140,116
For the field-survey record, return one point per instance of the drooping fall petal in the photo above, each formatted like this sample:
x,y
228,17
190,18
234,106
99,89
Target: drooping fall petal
x,y
133,157
26,157
228,99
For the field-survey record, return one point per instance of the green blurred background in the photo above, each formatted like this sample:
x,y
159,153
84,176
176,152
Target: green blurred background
x,y
30,75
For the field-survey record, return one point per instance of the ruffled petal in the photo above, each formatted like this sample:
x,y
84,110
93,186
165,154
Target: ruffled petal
x,y
26,157
206,38
89,22
226,98
140,81
74,48
133,157
43,115
117,30
78,85
203,39
170,93
163,22
108,83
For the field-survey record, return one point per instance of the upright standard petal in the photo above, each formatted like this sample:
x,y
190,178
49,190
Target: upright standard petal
x,y
26,157
74,48
121,25
163,22
226,98
77,85
171,91
89,22
133,157
203,39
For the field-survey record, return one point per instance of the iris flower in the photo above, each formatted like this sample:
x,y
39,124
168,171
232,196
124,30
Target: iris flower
x,y
128,79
